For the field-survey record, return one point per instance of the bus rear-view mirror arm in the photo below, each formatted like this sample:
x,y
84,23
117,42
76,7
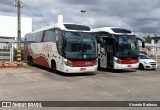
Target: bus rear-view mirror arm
x,y
143,44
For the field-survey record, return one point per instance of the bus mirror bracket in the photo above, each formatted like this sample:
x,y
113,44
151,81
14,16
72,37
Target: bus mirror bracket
x,y
143,44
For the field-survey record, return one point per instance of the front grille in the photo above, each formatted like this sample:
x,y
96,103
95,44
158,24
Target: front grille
x,y
152,63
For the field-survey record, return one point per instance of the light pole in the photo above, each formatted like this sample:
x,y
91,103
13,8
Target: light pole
x,y
18,5
82,11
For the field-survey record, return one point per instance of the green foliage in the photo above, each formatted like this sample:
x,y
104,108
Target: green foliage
x,y
155,40
148,39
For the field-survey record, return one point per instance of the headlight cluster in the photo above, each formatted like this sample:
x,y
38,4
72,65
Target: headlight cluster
x,y
94,64
119,61
68,63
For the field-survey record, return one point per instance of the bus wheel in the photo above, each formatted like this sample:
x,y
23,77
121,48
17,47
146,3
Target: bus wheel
x,y
54,69
31,61
99,68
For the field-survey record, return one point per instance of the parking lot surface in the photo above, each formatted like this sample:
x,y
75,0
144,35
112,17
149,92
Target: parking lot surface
x,y
39,84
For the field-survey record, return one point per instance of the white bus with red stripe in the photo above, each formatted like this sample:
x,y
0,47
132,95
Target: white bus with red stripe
x,y
64,47
120,49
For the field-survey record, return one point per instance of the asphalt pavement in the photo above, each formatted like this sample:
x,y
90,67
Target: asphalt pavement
x,y
39,84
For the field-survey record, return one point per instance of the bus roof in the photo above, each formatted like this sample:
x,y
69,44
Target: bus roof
x,y
113,30
65,26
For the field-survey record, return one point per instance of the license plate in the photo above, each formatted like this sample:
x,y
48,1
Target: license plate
x,y
82,69
129,66
153,66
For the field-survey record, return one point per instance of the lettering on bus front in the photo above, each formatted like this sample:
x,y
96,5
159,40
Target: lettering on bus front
x,y
47,47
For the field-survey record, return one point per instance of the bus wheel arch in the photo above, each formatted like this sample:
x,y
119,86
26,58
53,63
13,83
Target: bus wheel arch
x,y
31,61
28,59
53,66
99,67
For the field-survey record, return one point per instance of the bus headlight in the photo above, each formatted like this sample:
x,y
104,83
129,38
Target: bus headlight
x,y
94,64
67,63
119,61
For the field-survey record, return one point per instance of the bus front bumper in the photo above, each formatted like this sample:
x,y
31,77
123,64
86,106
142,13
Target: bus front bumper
x,y
126,66
68,69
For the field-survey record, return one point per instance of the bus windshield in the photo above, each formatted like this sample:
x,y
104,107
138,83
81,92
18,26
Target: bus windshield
x,y
80,45
126,46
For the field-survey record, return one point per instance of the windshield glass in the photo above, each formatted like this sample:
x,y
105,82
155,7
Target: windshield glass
x,y
126,46
80,45
143,57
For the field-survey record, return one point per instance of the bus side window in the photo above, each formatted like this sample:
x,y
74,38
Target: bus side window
x,y
39,36
51,35
34,38
59,41
45,35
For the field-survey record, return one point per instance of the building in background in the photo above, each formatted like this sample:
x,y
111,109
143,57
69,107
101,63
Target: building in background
x,y
8,28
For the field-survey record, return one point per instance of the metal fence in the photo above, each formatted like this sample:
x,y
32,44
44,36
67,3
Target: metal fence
x,y
4,55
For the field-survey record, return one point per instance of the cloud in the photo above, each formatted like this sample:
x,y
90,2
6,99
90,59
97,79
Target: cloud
x,y
141,16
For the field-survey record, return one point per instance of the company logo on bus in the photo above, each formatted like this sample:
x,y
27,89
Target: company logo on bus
x,y
47,47
82,63
132,61
88,63
128,61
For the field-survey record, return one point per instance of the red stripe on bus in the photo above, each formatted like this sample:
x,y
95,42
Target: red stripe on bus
x,y
129,61
82,63
40,60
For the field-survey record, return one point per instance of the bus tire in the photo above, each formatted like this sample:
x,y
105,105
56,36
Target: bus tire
x,y
28,61
99,68
54,68
31,61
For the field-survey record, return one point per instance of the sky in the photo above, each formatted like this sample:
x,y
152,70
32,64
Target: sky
x,y
140,16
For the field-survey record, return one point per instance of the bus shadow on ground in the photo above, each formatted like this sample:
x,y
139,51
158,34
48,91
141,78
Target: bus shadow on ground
x,y
148,69
65,74
75,74
118,71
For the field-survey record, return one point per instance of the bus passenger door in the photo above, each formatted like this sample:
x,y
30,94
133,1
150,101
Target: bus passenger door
x,y
103,57
109,53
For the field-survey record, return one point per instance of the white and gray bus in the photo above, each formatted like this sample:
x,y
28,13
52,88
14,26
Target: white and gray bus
x,y
64,47
120,49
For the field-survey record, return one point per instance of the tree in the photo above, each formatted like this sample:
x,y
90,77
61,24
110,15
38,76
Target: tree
x,y
148,39
155,40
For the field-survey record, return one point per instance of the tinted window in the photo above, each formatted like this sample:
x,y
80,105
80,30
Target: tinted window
x,y
29,37
45,39
76,27
34,37
39,36
51,35
117,30
59,41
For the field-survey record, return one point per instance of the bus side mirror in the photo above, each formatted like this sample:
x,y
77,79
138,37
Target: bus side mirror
x,y
143,44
